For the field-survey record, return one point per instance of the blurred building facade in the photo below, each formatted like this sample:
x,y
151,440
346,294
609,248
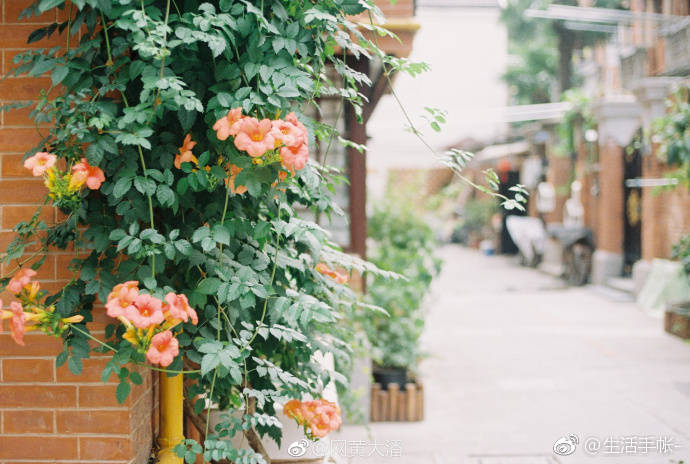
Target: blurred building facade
x,y
627,201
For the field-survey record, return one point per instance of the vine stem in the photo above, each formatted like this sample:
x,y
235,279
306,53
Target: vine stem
x,y
273,274
165,38
141,152
21,263
218,325
111,348
210,398
69,25
413,127
107,39
330,140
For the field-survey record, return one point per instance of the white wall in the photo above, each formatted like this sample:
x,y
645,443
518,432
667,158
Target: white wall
x,y
466,48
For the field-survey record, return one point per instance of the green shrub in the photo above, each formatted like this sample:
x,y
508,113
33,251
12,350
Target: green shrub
x,y
681,252
403,243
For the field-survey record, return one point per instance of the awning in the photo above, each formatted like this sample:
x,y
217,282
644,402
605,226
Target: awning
x,y
505,150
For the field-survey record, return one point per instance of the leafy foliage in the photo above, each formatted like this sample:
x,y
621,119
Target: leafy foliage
x,y
672,132
405,243
133,79
542,50
580,114
681,252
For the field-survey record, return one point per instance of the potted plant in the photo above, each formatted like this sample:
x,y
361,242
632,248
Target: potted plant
x,y
677,316
474,224
403,242
671,133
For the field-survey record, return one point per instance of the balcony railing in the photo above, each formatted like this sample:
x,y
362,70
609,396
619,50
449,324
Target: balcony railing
x,y
677,50
633,67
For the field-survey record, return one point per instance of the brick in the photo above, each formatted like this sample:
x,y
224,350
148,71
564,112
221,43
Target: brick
x,y
22,461
62,266
100,396
105,448
44,396
28,370
23,88
15,36
13,166
100,320
44,273
18,140
22,191
8,63
54,286
142,441
12,215
62,14
28,421
38,448
13,8
7,237
93,367
19,117
35,344
85,421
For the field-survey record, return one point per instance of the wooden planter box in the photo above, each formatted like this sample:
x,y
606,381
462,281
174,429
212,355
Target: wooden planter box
x,y
397,405
677,321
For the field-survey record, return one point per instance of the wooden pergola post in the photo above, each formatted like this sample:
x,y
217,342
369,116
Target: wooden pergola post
x,y
357,171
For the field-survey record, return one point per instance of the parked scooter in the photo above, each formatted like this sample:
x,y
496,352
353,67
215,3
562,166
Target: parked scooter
x,y
575,241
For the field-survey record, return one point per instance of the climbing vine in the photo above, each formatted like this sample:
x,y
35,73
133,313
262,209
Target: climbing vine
x,y
178,154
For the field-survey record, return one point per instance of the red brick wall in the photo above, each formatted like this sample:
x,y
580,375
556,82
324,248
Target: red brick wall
x,y
46,413
558,174
665,214
588,177
609,231
401,8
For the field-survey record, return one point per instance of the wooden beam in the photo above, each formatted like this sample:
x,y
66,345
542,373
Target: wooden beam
x,y
357,170
378,89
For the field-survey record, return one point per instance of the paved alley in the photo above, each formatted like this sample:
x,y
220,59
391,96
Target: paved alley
x,y
516,361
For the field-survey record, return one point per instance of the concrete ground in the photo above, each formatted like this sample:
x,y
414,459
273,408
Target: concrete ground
x,y
518,361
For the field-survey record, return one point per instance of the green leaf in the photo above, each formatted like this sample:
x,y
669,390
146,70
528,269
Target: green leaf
x,y
61,359
152,236
186,119
200,234
145,185
209,362
107,372
94,154
183,246
122,391
75,365
208,286
46,5
122,186
228,292
352,7
117,234
221,234
150,282
41,67
165,195
210,346
59,74
136,379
